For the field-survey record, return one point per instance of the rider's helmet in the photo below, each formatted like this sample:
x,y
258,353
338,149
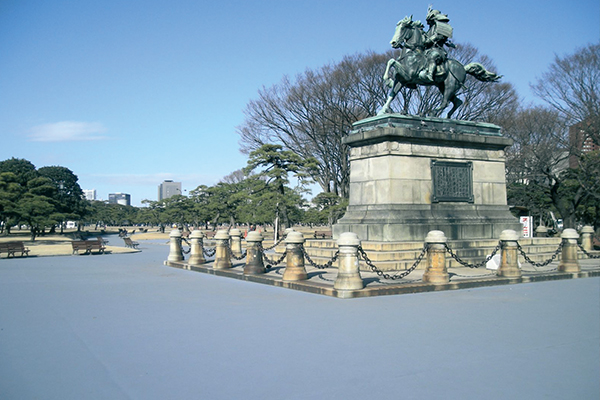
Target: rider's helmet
x,y
434,16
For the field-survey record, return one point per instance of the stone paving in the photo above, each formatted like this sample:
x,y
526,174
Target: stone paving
x,y
124,326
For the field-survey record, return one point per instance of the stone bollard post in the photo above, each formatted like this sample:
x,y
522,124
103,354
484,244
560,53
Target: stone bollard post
x,y
222,256
587,233
236,242
509,256
287,231
294,270
254,257
196,248
348,277
568,260
175,250
436,271
541,231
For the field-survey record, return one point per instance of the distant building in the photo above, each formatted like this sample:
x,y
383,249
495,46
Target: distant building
x,y
167,189
581,136
89,194
119,198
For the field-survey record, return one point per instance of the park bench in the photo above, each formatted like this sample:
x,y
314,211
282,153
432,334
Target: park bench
x,y
322,234
130,243
11,248
101,240
209,234
87,246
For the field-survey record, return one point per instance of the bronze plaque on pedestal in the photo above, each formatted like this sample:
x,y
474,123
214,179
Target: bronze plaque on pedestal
x,y
452,181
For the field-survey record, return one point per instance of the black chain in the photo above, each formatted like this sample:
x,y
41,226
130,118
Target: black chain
x,y
319,266
275,245
270,263
208,252
542,264
241,257
586,253
388,276
205,251
186,242
466,264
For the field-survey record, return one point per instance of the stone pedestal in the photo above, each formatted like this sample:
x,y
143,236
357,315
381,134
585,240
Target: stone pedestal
x,y
436,271
509,258
348,277
175,253
541,231
412,175
568,258
294,270
587,234
196,248
254,256
236,242
222,254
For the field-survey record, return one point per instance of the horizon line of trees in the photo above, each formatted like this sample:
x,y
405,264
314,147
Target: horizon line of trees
x,y
45,199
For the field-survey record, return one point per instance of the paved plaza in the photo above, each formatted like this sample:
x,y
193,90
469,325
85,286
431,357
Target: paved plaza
x,y
125,326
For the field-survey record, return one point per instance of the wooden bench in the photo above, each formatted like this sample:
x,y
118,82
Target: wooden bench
x,y
322,234
101,240
88,246
130,243
11,248
209,234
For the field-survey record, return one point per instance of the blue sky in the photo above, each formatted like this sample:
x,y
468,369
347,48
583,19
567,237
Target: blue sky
x,y
129,93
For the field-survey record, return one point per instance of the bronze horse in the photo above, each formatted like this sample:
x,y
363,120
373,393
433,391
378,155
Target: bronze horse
x,y
408,69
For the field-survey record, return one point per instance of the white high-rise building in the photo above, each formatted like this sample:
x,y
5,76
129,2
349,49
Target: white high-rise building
x,y
89,194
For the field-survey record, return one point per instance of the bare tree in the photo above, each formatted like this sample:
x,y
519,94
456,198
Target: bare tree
x,y
311,114
572,87
539,160
236,176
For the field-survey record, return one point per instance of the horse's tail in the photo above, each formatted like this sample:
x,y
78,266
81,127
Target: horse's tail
x,y
482,74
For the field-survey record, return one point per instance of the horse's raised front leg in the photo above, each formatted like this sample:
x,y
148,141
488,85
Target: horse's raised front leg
x,y
386,109
393,84
386,75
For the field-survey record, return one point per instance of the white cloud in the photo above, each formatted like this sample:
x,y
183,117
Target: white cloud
x,y
66,131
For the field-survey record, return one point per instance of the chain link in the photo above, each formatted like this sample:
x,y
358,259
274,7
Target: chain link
x,y
187,243
466,264
388,276
586,253
275,245
314,264
207,252
270,263
542,264
241,257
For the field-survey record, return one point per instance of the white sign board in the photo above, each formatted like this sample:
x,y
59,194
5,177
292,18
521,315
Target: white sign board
x,y
527,223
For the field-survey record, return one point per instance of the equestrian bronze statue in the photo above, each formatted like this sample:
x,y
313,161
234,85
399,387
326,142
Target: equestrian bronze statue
x,y
424,62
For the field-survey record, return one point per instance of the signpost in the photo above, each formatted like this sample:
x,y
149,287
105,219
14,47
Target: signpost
x,y
527,223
